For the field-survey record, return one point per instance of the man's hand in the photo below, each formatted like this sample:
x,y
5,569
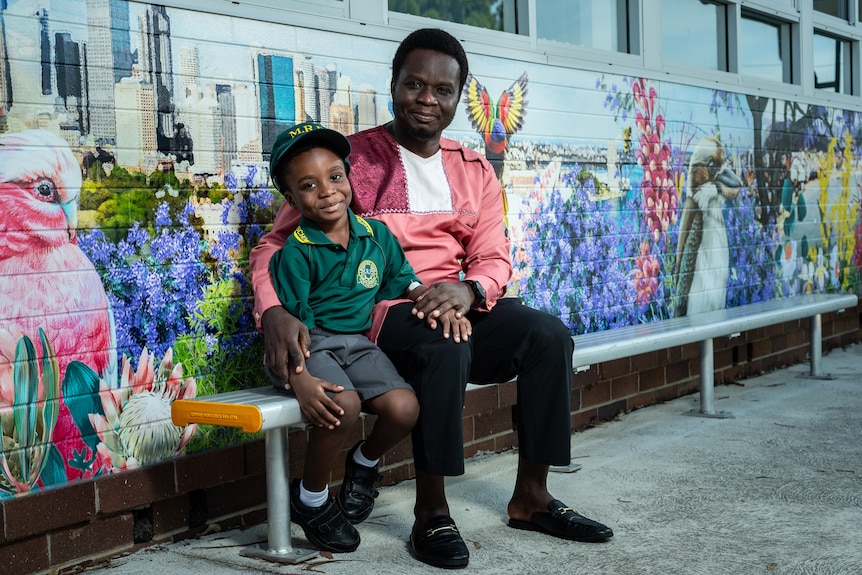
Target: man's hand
x,y
440,298
318,407
285,342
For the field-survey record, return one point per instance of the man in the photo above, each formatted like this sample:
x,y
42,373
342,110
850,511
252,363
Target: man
x,y
444,204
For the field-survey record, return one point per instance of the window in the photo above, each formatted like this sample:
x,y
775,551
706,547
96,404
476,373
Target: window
x,y
765,48
832,63
694,33
837,8
489,14
601,24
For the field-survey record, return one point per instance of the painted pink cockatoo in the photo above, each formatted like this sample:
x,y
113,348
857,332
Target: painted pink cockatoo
x,y
46,281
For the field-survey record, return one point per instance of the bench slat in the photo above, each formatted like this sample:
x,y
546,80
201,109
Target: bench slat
x,y
263,408
597,347
256,409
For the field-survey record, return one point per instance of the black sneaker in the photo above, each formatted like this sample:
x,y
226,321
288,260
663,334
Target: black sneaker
x,y
325,527
357,493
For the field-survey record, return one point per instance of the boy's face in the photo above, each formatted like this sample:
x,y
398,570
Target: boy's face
x,y
316,184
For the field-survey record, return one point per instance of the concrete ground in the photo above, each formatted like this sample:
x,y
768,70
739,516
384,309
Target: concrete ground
x,y
777,489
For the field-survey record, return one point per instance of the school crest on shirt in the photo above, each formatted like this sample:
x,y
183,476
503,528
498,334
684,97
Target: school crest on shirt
x,y
367,275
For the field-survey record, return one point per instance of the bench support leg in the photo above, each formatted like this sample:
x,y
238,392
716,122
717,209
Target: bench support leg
x,y
816,351
816,344
707,384
278,548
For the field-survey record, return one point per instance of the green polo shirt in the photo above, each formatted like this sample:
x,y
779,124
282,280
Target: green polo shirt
x,y
325,285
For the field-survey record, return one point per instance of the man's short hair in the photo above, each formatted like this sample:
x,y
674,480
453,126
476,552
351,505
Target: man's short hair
x,y
431,39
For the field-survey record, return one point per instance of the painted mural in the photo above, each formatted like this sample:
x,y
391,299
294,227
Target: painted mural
x,y
133,177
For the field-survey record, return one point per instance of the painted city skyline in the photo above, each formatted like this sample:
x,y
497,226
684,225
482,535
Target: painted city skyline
x,y
120,81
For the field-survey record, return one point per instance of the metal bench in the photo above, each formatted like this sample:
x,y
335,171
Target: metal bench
x,y
264,409
592,348
259,409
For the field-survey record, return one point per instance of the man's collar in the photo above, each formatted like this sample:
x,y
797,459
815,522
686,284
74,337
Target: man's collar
x,y
449,145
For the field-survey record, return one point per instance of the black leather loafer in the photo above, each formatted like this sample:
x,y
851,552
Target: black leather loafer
x,y
565,523
440,544
325,527
357,493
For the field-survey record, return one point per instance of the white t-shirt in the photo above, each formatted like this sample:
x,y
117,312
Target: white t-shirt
x,y
427,186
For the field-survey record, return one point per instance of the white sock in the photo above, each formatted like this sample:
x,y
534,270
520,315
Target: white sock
x,y
359,458
312,498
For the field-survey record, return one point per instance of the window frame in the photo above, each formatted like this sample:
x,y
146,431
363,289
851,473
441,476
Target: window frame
x,y
846,65
846,30
790,71
372,19
847,8
627,30
726,51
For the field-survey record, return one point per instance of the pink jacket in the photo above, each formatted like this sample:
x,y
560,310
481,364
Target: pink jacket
x,y
438,245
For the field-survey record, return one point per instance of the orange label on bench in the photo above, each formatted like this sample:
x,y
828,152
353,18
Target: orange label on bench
x,y
185,411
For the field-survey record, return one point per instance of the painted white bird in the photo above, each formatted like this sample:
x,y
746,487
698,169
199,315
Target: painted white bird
x,y
703,259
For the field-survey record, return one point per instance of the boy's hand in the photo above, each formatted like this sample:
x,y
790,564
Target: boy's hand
x,y
318,407
452,323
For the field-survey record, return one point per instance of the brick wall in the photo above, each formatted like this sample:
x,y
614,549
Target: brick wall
x,y
86,522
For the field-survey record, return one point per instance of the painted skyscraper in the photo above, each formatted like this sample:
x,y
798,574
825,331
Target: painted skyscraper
x,y
45,50
275,84
366,108
121,43
227,128
5,72
69,57
157,69
100,69
136,123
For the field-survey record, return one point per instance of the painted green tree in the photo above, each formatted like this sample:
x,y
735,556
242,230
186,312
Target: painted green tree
x,y
481,13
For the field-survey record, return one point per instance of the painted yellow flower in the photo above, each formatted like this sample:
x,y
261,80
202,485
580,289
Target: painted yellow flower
x,y
821,272
136,429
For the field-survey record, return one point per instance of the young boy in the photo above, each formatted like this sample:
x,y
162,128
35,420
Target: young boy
x,y
330,273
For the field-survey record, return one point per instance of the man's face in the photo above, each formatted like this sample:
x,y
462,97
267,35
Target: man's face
x,y
425,94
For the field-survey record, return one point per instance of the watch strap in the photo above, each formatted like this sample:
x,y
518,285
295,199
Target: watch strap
x,y
478,292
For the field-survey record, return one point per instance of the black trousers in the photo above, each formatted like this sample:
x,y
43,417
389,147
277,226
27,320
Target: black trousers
x,y
511,340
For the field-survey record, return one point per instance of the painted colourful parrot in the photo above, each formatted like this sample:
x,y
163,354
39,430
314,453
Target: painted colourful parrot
x,y
46,281
496,123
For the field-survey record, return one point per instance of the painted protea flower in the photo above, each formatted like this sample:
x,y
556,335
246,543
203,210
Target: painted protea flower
x,y
136,429
29,388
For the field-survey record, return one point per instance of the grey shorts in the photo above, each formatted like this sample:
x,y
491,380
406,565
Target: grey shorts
x,y
351,361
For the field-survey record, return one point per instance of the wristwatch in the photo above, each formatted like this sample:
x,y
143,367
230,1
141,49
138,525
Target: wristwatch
x,y
478,292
